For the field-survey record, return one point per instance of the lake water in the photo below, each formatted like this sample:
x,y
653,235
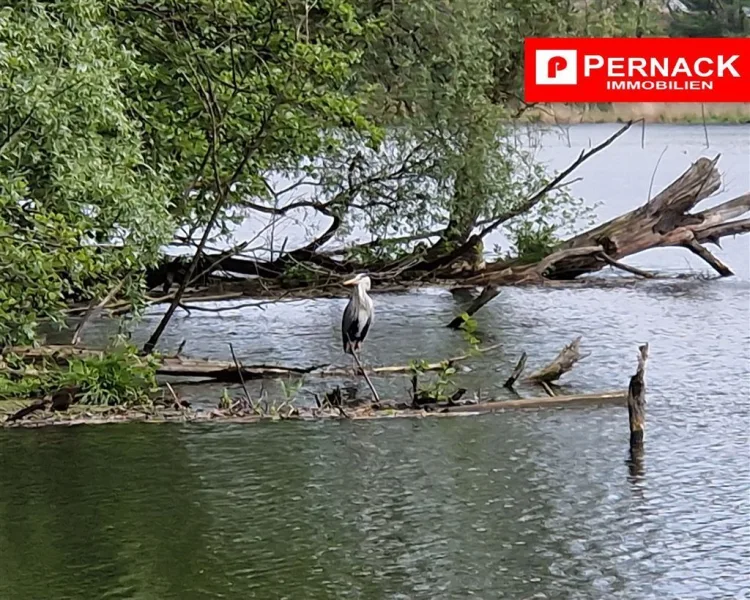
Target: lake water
x,y
518,505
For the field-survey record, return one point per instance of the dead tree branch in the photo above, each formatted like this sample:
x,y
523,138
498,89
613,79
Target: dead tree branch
x,y
488,293
704,253
517,371
563,362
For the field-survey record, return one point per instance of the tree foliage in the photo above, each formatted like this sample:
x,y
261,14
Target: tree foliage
x,y
127,124
122,120
79,207
445,82
118,376
229,89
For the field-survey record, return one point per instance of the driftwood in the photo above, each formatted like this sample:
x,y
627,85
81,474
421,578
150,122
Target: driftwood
x,y
563,362
333,407
67,413
617,398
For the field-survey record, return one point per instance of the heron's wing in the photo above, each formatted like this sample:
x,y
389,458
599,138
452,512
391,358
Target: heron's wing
x,y
363,333
349,326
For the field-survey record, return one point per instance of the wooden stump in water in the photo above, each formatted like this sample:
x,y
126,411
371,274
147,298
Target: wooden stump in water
x,y
637,401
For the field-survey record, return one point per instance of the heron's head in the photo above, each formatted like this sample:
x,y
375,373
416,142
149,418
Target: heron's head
x,y
360,280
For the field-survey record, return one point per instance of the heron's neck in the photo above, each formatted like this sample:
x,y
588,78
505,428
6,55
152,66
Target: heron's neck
x,y
359,295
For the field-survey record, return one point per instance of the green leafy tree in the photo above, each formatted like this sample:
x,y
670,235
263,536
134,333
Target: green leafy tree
x,y
446,83
79,206
228,90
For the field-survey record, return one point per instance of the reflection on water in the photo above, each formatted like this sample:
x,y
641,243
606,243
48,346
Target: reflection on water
x,y
502,506
519,505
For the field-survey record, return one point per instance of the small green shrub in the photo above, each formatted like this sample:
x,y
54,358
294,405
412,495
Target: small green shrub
x,y
117,377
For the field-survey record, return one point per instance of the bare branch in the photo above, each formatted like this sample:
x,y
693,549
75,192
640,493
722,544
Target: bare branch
x,y
94,308
532,201
622,266
724,212
713,234
699,250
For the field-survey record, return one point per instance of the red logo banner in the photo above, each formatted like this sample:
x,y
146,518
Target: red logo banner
x,y
637,70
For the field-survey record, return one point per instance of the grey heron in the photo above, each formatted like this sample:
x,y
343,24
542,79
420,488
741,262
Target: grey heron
x,y
358,315
356,323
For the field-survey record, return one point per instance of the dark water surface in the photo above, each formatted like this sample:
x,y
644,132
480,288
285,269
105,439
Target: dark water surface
x,y
516,505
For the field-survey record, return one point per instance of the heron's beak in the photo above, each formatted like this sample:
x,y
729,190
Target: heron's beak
x,y
353,281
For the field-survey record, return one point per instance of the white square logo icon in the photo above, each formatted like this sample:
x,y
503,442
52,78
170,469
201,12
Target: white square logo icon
x,y
556,67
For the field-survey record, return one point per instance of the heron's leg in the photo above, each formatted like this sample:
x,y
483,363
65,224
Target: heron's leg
x,y
359,356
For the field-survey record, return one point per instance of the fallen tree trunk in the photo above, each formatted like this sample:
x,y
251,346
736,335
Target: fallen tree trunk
x,y
618,397
97,415
663,221
226,371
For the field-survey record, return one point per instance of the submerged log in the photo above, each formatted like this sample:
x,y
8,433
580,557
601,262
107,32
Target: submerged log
x,y
520,366
487,294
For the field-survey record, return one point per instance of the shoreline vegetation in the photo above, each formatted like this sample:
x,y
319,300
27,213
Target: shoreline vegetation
x,y
132,127
663,220
430,399
424,401
711,113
